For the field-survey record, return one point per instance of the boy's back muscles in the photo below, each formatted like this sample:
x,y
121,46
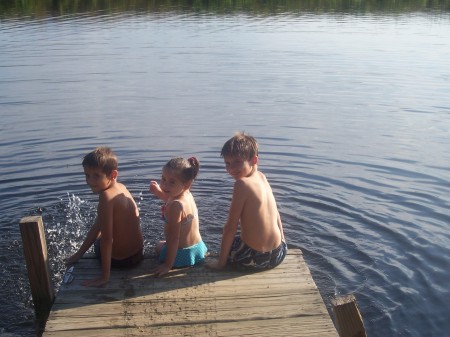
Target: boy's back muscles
x,y
259,226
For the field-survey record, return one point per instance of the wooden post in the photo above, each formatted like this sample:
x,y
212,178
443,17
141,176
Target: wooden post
x,y
36,258
348,319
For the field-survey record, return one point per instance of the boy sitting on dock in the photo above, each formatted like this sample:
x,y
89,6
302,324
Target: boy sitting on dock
x,y
261,243
116,232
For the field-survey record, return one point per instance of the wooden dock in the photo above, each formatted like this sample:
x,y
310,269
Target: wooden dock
x,y
192,302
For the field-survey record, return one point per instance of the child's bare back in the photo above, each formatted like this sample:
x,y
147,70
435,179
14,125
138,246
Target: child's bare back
x,y
261,243
116,233
259,216
127,236
183,245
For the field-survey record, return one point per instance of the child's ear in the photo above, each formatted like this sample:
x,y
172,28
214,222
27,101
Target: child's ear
x,y
188,185
114,174
254,160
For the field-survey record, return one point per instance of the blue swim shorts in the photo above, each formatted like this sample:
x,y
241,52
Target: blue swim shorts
x,y
188,256
247,258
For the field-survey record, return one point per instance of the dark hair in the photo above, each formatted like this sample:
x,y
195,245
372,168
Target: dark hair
x,y
102,157
187,169
241,145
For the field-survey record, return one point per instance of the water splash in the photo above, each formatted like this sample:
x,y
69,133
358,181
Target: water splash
x,y
66,226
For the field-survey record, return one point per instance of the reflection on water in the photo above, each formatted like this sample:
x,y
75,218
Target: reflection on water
x,y
349,103
45,8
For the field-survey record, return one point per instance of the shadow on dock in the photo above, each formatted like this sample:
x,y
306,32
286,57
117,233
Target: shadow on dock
x,y
194,301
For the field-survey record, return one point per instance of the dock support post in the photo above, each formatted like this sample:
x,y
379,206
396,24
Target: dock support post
x,y
349,322
36,258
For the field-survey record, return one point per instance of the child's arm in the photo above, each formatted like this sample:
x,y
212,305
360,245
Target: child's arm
x,y
231,226
156,190
91,236
172,233
105,221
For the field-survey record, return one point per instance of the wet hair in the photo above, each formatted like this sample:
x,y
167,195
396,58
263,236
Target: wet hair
x,y
102,157
241,145
186,169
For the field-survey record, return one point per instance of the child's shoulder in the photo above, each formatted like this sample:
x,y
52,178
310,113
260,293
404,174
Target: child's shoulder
x,y
246,185
260,174
115,190
174,204
255,178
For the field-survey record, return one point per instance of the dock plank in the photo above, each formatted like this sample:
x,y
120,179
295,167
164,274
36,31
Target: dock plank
x,y
192,302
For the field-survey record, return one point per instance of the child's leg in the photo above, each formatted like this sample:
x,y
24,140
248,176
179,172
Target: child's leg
x,y
159,246
236,247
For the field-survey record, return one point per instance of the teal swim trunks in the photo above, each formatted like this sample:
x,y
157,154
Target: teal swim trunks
x,y
188,256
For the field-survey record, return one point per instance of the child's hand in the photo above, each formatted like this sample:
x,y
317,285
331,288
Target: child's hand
x,y
161,270
154,187
157,191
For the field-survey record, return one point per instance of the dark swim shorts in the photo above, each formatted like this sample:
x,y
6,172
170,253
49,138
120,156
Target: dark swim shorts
x,y
128,262
244,257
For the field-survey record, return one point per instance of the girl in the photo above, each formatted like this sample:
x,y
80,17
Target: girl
x,y
183,245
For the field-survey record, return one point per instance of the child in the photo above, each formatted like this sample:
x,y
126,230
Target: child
x,y
261,243
116,232
183,246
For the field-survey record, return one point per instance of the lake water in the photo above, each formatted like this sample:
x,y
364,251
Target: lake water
x,y
351,109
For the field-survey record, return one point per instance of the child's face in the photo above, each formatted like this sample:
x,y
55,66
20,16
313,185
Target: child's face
x,y
97,180
171,184
237,167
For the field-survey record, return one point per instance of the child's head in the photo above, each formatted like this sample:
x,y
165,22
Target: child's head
x,y
241,145
185,170
103,158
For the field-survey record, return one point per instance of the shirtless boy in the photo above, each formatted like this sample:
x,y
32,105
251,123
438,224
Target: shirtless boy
x,y
261,243
116,232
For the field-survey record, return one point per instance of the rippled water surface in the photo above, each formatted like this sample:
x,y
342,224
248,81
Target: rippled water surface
x,y
352,113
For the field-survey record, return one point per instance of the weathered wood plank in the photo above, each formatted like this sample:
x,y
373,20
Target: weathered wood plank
x,y
192,302
287,327
36,258
349,322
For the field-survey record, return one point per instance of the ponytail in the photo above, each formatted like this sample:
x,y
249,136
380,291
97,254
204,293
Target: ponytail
x,y
195,166
187,169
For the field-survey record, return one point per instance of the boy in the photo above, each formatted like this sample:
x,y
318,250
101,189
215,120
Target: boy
x,y
261,244
116,233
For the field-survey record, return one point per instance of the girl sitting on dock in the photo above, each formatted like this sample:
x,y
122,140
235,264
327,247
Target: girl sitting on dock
x,y
183,245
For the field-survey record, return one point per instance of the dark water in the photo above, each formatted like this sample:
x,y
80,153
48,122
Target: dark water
x,y
351,110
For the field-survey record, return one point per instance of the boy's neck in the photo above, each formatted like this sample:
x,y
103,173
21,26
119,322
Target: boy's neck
x,y
111,185
253,171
